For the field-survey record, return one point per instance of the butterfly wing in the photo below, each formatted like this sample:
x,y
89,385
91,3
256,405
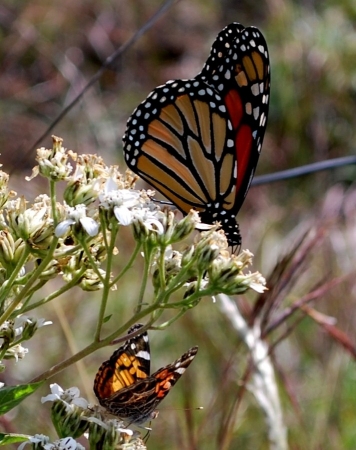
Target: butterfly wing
x,y
238,68
127,365
179,140
138,403
167,377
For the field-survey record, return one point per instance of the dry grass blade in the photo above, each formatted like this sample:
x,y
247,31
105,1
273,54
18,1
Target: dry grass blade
x,y
334,332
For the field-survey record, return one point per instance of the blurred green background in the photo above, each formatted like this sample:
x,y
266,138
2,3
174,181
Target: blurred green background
x,y
50,50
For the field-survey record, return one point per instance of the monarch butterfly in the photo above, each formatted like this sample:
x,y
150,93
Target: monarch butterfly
x,y
198,141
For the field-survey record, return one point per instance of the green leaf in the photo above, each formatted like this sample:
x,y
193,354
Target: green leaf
x,y
107,318
11,396
10,438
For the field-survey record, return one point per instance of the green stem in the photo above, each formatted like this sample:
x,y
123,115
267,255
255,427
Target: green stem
x,y
104,227
187,301
93,264
95,346
179,280
34,289
66,363
106,282
162,268
35,275
56,293
128,265
52,188
165,325
148,258
7,286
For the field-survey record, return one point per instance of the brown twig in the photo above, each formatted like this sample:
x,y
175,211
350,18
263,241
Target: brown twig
x,y
109,63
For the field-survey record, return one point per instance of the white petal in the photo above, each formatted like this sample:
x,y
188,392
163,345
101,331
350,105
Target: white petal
x,y
110,185
158,225
81,402
43,322
123,215
258,287
56,389
49,398
90,226
74,392
63,227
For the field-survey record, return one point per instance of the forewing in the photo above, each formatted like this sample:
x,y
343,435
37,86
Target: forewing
x,y
127,365
180,140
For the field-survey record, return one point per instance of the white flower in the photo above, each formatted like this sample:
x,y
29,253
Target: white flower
x,y
77,214
123,215
256,282
111,422
17,352
150,219
29,223
68,397
121,200
43,322
36,439
67,443
22,320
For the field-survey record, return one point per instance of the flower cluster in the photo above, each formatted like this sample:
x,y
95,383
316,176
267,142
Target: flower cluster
x,y
73,417
13,332
76,238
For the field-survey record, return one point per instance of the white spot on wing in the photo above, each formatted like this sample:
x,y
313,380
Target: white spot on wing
x,y
144,355
256,112
255,89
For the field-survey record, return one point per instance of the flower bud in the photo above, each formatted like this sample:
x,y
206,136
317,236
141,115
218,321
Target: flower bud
x,y
96,434
90,281
53,163
206,255
140,232
4,192
80,192
185,226
68,420
7,247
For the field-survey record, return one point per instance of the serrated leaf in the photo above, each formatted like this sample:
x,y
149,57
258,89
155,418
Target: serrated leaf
x,y
11,396
10,438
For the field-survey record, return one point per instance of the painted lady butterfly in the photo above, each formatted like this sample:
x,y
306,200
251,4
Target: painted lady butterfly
x,y
124,386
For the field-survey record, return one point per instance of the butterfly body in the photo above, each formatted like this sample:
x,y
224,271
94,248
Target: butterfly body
x,y
198,141
124,386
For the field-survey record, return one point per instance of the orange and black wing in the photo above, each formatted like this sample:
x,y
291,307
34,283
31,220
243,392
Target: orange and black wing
x,y
127,366
238,69
167,377
137,403
180,140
